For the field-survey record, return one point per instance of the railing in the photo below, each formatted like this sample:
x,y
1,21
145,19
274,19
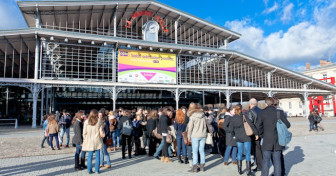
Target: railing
x,y
16,122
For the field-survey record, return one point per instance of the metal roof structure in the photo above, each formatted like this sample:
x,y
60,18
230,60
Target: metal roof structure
x,y
87,35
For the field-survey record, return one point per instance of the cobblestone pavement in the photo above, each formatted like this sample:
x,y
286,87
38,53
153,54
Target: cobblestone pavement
x,y
309,153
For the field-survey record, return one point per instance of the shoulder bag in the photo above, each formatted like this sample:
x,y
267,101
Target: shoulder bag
x,y
247,127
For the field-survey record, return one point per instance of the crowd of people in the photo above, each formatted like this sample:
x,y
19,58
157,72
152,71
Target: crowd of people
x,y
185,133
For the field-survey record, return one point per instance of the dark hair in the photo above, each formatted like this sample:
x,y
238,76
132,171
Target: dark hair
x,y
238,109
275,101
127,113
205,108
64,111
269,101
78,115
93,117
153,114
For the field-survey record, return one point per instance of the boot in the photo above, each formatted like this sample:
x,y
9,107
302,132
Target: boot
x,y
163,158
167,160
202,167
180,159
186,160
83,163
193,169
77,166
239,166
248,167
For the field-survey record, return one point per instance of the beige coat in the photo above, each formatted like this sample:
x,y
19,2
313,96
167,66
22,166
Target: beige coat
x,y
52,128
92,136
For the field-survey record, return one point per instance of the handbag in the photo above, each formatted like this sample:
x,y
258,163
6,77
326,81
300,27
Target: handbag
x,y
185,138
209,140
247,127
156,134
169,138
109,142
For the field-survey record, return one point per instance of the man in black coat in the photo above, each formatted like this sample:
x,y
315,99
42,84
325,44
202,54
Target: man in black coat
x,y
252,114
266,124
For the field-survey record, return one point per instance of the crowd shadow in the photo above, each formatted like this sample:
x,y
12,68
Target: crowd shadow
x,y
27,168
293,158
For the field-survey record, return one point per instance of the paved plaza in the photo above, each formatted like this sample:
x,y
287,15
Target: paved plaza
x,y
307,154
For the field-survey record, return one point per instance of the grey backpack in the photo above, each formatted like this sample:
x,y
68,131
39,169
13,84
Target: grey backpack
x,y
127,128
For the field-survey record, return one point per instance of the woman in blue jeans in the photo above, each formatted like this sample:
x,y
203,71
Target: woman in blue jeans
x,y
243,141
197,133
106,129
180,127
231,144
78,140
92,139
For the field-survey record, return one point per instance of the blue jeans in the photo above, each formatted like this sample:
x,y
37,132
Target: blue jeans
x,y
228,152
114,136
241,146
44,139
158,150
67,131
118,136
79,151
180,144
103,152
51,139
266,162
198,145
89,161
189,151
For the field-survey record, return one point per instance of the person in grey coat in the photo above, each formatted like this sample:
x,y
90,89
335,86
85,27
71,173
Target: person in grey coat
x,y
78,140
266,124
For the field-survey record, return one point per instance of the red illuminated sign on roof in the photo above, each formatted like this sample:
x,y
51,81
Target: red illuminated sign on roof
x,y
150,14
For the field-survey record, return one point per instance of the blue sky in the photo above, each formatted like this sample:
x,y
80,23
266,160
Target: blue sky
x,y
287,32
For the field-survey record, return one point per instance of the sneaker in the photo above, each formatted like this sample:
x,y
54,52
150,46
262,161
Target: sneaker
x,y
67,146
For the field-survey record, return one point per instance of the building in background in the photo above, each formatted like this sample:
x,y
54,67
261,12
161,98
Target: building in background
x,y
325,72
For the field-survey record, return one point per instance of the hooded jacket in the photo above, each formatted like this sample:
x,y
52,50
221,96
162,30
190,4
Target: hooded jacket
x,y
197,126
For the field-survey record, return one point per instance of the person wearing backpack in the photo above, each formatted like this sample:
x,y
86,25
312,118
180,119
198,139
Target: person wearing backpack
x,y
282,159
65,123
126,126
266,125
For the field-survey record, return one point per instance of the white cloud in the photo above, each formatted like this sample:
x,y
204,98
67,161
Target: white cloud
x,y
271,9
307,41
287,13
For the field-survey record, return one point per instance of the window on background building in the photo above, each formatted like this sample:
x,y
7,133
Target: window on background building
x,y
300,104
290,105
324,77
328,104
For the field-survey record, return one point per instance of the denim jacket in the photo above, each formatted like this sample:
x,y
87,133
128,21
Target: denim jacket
x,y
45,124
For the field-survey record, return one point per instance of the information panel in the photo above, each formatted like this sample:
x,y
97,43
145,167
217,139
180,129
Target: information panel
x,y
146,67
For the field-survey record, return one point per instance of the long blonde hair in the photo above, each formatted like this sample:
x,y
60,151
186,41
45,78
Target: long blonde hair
x,y
93,117
194,107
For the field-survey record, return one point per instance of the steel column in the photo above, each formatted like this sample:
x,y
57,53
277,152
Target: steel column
x,y
7,96
35,93
37,51
177,98
42,97
228,97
